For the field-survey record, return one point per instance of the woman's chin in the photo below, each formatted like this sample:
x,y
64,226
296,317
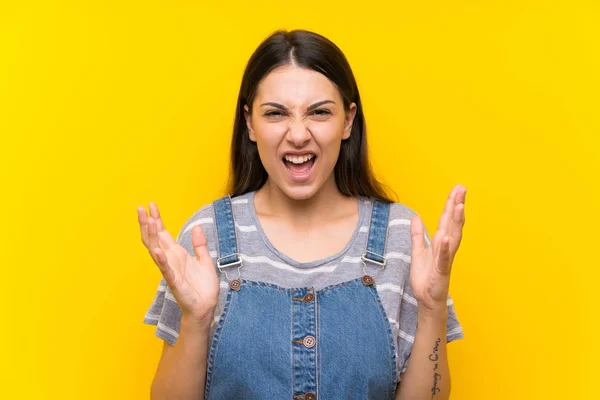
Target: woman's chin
x,y
295,191
300,192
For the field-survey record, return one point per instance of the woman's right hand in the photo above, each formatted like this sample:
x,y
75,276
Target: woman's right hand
x,y
192,280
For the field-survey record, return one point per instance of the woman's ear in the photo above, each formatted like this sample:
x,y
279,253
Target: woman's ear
x,y
248,117
348,120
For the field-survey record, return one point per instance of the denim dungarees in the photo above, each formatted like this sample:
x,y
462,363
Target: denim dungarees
x,y
273,342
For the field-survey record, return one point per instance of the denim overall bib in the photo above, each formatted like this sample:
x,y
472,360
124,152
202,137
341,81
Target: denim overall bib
x,y
277,343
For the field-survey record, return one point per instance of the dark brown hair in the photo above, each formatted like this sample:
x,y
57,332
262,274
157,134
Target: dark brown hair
x,y
353,173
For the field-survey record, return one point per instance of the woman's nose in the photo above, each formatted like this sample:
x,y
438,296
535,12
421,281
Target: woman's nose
x,y
298,133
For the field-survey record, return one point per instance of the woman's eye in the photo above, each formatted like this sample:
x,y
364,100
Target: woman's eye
x,y
321,112
273,113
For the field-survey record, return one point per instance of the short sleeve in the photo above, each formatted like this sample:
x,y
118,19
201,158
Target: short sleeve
x,y
408,321
164,312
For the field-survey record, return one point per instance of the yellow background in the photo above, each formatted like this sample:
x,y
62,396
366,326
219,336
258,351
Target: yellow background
x,y
107,105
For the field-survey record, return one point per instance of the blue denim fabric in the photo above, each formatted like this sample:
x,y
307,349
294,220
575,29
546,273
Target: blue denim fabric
x,y
377,232
262,346
227,247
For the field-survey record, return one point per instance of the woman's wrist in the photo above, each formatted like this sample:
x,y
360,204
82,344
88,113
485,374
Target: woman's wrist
x,y
196,325
437,313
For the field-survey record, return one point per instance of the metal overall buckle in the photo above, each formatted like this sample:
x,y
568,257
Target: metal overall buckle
x,y
235,283
368,279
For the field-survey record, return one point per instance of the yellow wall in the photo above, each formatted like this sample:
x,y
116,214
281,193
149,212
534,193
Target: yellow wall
x,y
106,105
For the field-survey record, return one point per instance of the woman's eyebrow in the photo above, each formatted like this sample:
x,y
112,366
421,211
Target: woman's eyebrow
x,y
318,104
309,108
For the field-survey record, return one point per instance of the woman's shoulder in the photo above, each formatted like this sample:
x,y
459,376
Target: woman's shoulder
x,y
399,222
202,216
205,215
401,211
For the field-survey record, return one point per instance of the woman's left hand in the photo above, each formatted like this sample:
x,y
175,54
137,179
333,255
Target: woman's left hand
x,y
430,267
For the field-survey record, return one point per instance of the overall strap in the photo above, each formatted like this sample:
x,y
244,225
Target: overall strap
x,y
377,233
228,251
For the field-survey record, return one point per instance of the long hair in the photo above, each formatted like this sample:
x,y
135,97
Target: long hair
x,y
353,172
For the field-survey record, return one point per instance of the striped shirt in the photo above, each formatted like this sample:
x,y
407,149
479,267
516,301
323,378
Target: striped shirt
x,y
263,262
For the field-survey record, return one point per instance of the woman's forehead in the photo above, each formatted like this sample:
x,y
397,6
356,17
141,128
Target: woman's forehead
x,y
291,85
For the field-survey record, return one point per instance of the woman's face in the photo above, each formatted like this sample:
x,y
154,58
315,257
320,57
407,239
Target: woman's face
x,y
298,122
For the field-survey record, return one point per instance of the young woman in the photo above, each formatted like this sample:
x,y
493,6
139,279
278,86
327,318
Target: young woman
x,y
307,281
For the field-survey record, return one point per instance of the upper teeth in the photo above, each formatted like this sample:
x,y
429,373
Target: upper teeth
x,y
298,160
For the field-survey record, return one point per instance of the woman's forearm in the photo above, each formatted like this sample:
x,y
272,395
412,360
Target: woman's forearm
x,y
183,374
427,375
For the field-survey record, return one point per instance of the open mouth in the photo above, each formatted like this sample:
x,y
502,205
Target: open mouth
x,y
299,166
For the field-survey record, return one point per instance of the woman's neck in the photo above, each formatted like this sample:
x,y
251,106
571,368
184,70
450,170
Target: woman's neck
x,y
327,204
